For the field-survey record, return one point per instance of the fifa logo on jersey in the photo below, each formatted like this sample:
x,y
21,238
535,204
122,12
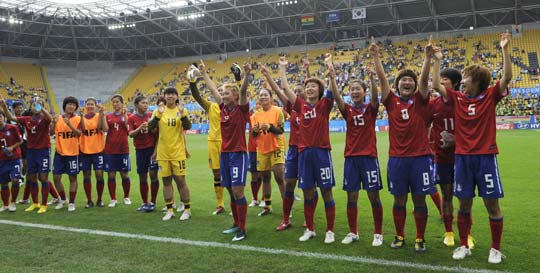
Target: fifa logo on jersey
x,y
90,132
66,135
458,188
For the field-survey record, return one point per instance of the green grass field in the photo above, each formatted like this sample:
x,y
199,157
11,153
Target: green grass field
x,y
31,249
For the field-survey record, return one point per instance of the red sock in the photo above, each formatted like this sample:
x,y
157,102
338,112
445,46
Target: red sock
x,y
14,193
241,208
464,224
234,211
352,216
448,219
34,191
126,186
309,213
330,208
72,195
100,185
62,195
496,226
143,188
26,192
288,201
44,193
5,195
111,184
154,188
377,211
52,190
399,220
87,183
420,218
436,197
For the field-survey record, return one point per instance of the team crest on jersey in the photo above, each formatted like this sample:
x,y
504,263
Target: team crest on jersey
x,y
226,117
8,133
410,102
122,119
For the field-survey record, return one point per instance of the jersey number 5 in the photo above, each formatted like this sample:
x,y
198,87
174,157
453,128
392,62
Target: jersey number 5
x,y
471,109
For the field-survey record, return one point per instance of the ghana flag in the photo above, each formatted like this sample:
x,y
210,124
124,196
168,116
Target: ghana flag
x,y
307,20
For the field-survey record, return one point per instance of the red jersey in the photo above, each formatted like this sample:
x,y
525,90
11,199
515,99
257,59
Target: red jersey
x,y
360,138
144,139
475,120
314,125
233,127
442,119
294,121
252,142
37,131
9,135
408,121
117,135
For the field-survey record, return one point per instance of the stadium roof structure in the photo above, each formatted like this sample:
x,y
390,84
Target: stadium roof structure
x,y
158,29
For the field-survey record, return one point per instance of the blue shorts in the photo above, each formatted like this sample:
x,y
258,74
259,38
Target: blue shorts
x,y
65,164
361,172
233,168
410,174
252,162
117,163
87,160
315,169
291,163
481,171
144,160
444,173
10,170
38,161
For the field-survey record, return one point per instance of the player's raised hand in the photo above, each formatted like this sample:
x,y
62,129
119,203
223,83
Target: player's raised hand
x,y
82,110
56,118
306,62
161,107
264,70
247,68
429,47
369,71
328,59
180,105
256,127
505,39
283,61
100,108
373,47
202,66
437,53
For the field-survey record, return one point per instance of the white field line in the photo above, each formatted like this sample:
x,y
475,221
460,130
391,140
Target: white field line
x,y
313,255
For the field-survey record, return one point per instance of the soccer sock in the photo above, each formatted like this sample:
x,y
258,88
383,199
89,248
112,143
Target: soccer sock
x,y
5,194
14,192
126,186
218,189
448,219
352,216
255,185
154,188
100,185
72,195
420,218
187,206
496,225
288,201
44,193
34,191
62,195
234,211
309,212
26,192
87,184
399,219
377,211
436,197
143,189
268,202
169,206
330,208
241,207
52,190
111,184
463,223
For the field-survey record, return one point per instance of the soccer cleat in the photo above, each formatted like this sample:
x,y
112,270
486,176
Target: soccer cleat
x,y
151,207
420,245
449,238
181,207
262,204
283,226
100,204
53,201
112,204
470,241
495,256
349,238
231,230
264,212
398,242
168,216
60,204
461,252
377,240
71,207
253,203
297,197
89,205
143,208
32,207
22,202
219,210
12,207
42,209
330,237
240,235
3,208
127,201
185,215
308,234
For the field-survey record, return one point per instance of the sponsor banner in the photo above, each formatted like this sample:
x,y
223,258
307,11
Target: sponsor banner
x,y
505,126
333,17
526,126
192,132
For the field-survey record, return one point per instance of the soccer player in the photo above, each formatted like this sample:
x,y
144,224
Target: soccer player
x,y
409,163
66,158
234,106
256,179
476,146
19,111
117,150
315,162
171,118
144,141
214,132
10,161
92,146
361,169
37,127
268,129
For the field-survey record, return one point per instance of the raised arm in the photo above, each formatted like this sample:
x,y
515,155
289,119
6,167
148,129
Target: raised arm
x,y
373,88
44,111
284,83
210,83
507,65
424,76
6,111
385,86
102,123
333,85
436,77
273,85
245,83
306,63
82,111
